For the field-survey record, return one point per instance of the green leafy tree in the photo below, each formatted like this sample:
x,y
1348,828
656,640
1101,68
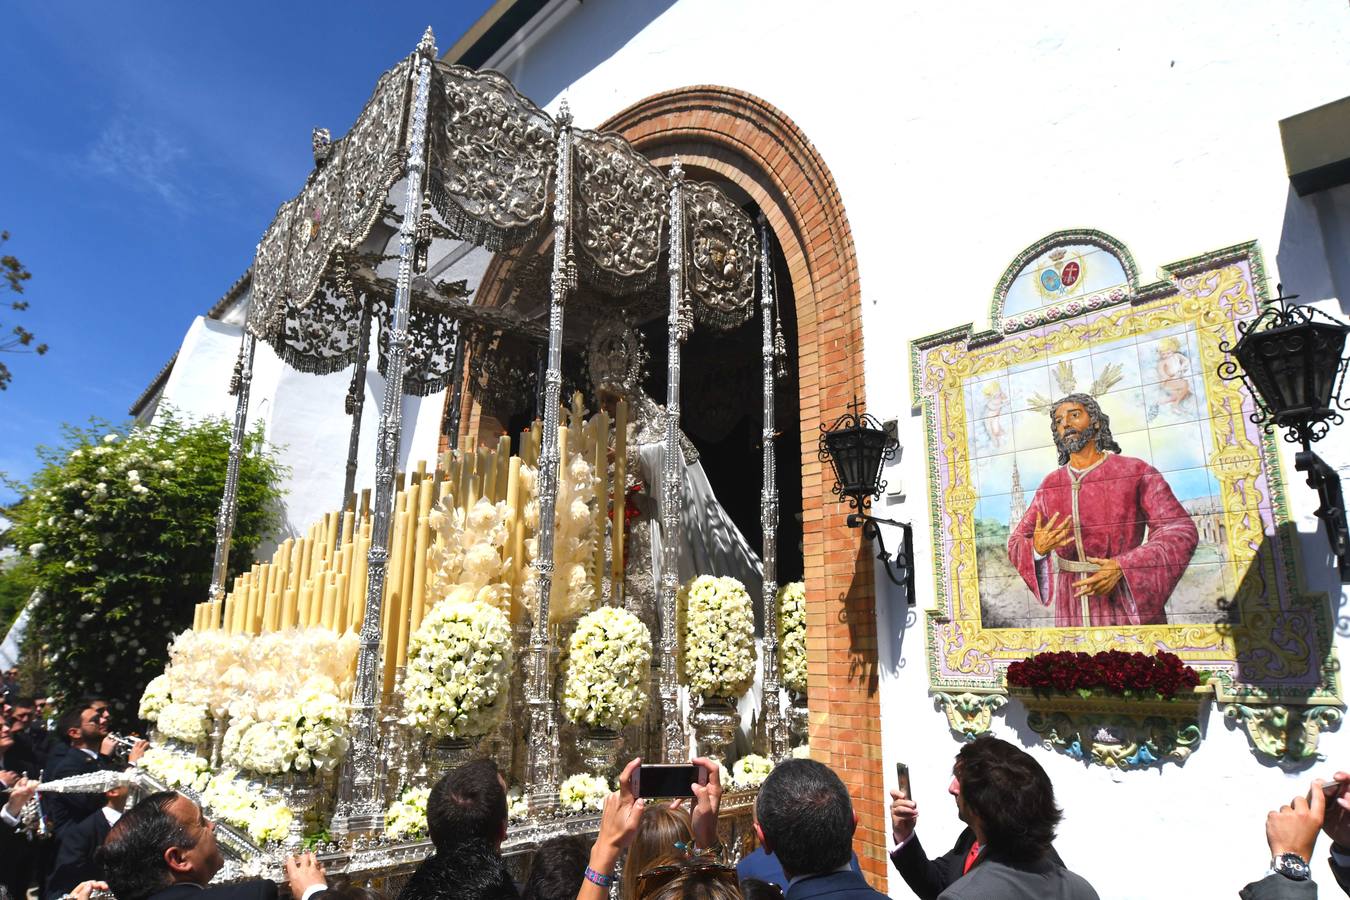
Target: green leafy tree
x,y
20,339
118,528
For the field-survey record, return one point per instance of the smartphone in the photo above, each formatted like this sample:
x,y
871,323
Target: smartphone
x,y
902,779
668,781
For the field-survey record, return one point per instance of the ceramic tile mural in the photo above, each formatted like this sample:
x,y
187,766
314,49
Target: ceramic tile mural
x,y
1096,485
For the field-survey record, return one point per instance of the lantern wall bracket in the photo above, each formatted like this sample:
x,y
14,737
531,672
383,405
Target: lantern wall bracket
x,y
903,558
1324,479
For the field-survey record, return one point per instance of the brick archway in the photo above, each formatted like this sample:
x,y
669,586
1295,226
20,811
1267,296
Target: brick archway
x,y
752,144
732,135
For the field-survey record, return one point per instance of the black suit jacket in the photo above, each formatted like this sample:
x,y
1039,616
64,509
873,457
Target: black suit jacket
x,y
929,877
255,889
16,859
75,854
835,886
67,810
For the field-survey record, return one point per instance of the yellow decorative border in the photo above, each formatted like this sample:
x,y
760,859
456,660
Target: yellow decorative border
x,y
1282,635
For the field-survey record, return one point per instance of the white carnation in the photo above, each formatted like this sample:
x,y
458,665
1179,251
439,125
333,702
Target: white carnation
x,y
719,637
608,666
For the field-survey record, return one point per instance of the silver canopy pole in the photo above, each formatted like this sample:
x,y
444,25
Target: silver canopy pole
x,y
541,776
771,701
360,805
676,742
229,500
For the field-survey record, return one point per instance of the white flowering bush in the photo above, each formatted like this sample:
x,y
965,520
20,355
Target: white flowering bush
x,y
574,535
155,697
176,770
609,661
718,627
801,751
469,558
750,771
184,722
792,636
230,799
582,791
407,815
459,667
118,531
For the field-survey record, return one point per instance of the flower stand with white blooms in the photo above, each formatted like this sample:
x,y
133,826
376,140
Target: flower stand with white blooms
x,y
792,654
609,662
718,656
458,678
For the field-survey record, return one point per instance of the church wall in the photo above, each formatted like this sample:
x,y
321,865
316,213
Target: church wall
x,y
302,416
957,138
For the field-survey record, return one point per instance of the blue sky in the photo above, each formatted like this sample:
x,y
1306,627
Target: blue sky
x,y
143,149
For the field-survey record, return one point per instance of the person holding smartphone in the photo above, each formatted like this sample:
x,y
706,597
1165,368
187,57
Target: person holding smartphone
x,y
930,878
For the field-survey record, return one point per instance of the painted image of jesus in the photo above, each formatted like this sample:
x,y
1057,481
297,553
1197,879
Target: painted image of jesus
x,y
1105,541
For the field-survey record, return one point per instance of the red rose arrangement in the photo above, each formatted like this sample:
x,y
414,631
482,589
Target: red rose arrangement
x,y
1112,671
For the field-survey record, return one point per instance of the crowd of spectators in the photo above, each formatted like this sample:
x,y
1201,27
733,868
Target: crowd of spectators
x,y
69,846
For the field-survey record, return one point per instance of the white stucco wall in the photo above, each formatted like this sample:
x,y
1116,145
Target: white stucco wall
x,y
302,415
958,134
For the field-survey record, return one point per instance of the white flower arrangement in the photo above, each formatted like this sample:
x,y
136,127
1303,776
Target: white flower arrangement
x,y
186,722
459,669
719,636
801,751
609,662
792,636
574,535
582,791
517,807
176,770
750,771
469,558
232,800
408,814
198,662
155,697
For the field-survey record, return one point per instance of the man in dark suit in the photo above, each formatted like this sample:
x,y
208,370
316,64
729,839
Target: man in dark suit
x,y
31,737
16,857
804,817
165,848
75,849
85,727
928,878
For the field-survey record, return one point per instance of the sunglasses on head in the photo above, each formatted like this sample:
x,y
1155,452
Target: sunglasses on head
x,y
654,879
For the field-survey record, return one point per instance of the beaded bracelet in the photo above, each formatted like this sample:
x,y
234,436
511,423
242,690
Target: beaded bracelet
x,y
596,878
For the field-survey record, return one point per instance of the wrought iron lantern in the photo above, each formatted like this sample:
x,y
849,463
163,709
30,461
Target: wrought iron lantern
x,y
856,447
1292,359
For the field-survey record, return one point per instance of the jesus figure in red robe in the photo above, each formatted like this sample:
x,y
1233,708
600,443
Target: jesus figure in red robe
x,y
1104,541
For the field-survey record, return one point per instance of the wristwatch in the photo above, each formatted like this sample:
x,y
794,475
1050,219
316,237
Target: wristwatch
x,y
1291,866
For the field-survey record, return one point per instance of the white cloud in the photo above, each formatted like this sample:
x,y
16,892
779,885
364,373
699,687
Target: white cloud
x,y
140,156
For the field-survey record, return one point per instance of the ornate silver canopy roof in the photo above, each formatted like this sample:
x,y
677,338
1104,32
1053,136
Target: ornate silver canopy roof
x,y
490,160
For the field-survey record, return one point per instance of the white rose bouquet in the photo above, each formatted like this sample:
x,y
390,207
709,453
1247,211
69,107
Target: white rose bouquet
x,y
177,770
233,801
155,698
583,791
608,665
408,814
750,771
459,670
792,636
719,636
517,807
184,722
